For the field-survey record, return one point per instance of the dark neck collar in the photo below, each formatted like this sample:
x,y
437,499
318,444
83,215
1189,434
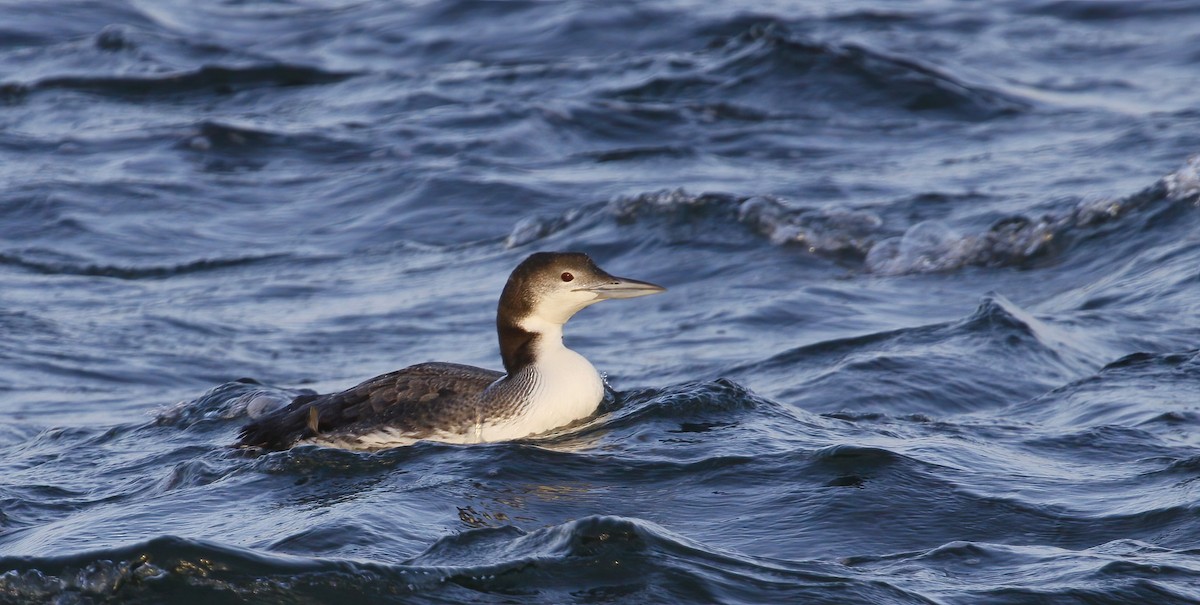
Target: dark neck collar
x,y
516,301
516,346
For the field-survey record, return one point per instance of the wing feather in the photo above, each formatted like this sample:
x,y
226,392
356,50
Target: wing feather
x,y
416,400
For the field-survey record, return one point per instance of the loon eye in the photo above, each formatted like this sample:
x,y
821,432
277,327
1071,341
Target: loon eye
x,y
566,276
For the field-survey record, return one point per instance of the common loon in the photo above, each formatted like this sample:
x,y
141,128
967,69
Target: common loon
x,y
545,385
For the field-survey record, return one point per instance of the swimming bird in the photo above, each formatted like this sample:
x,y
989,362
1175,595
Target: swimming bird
x,y
544,385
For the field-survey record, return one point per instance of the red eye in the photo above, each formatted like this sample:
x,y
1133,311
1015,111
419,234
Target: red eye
x,y
566,276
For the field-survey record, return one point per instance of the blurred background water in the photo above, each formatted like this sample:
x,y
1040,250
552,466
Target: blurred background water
x,y
930,335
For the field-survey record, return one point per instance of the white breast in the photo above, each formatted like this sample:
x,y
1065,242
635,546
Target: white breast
x,y
563,387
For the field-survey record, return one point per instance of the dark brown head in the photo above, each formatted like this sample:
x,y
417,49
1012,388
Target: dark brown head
x,y
545,291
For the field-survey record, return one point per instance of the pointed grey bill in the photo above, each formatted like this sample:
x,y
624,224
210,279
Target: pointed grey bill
x,y
621,287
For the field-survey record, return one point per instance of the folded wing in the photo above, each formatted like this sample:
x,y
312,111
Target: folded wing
x,y
418,401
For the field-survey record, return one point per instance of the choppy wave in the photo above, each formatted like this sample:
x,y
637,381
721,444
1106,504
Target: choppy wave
x,y
48,267
1103,398
613,559
938,365
314,193
843,463
207,79
610,558
768,61
242,399
129,62
864,237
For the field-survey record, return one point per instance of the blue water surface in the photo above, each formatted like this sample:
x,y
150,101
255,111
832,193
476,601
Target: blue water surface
x,y
930,335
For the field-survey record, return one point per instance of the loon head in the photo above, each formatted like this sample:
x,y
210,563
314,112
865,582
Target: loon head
x,y
545,291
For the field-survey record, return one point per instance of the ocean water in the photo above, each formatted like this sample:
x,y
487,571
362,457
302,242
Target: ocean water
x,y
930,335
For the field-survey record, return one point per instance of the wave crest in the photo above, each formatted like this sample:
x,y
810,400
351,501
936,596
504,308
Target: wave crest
x,y
863,236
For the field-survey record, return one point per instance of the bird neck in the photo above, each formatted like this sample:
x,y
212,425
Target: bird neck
x,y
551,386
521,342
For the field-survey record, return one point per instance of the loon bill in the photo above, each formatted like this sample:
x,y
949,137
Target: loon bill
x,y
544,385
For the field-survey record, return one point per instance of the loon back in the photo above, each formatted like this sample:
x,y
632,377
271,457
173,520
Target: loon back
x,y
419,401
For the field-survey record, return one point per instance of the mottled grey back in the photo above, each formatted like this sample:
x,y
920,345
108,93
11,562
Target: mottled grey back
x,y
419,399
